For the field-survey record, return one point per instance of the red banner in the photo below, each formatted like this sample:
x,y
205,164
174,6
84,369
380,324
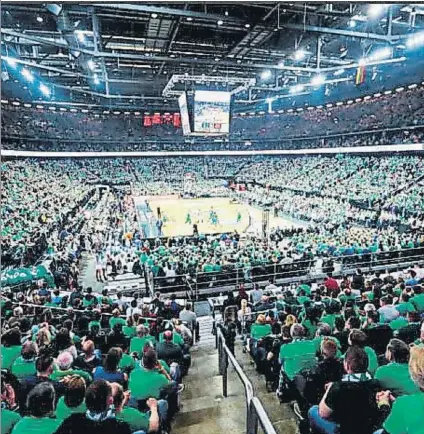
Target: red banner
x,y
147,121
156,119
177,120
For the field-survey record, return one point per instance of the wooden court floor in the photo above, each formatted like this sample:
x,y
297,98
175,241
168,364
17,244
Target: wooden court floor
x,y
175,212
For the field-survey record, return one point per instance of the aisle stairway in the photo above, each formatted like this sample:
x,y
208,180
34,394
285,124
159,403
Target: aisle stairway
x,y
204,410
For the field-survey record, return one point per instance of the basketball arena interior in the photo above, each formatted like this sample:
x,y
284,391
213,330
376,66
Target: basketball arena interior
x,y
212,217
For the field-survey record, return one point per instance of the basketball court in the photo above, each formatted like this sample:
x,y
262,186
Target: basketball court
x,y
179,215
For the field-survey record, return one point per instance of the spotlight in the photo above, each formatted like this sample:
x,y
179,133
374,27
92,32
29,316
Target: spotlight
x,y
40,19
381,54
247,25
352,24
376,9
27,75
339,72
44,90
265,75
154,15
80,36
11,62
220,22
362,62
318,80
299,55
269,100
91,65
297,89
189,19
415,40
96,79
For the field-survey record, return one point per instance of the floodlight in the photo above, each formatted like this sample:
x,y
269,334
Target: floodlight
x,y
318,80
266,74
27,75
44,90
299,55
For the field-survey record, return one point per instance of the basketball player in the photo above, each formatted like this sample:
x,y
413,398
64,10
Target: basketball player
x,y
159,213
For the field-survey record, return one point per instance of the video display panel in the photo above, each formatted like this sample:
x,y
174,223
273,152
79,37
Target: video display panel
x,y
212,112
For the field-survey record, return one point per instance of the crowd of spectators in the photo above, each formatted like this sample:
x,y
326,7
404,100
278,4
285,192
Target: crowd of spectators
x,y
347,353
389,119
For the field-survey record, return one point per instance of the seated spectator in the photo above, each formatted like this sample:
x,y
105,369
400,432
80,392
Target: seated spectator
x,y
110,371
89,359
406,414
387,311
116,337
64,364
171,353
395,375
100,417
310,385
63,342
418,299
358,338
405,306
73,400
188,316
146,381
24,366
116,319
260,328
349,405
40,404
141,339
139,422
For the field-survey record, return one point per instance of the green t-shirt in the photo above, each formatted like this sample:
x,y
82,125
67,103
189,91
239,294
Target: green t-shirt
x,y
176,339
418,302
329,319
137,344
9,355
118,320
398,323
406,416
126,362
23,368
396,378
129,331
42,425
297,355
92,324
63,411
404,308
8,420
372,360
146,384
137,420
258,331
58,375
309,328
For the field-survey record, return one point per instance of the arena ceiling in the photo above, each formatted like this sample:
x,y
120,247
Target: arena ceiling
x,y
125,54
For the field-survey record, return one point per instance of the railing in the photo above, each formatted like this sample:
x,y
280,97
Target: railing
x,y
299,270
255,412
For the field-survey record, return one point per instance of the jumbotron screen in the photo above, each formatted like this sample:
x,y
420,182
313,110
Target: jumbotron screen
x,y
185,120
212,112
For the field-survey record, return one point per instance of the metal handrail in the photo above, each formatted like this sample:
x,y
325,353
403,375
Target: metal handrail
x,y
255,412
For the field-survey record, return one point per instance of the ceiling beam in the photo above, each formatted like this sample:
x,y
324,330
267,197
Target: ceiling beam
x,y
146,8
341,32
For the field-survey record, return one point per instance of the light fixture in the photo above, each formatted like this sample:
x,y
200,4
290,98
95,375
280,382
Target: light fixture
x,y
362,62
11,62
297,89
27,75
189,19
265,75
91,65
238,60
44,90
216,59
154,15
339,72
383,53
40,19
220,22
299,55
376,9
352,24
96,79
269,100
318,80
80,35
247,25
415,40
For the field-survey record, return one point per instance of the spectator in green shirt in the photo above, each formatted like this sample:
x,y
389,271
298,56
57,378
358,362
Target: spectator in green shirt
x,y
116,319
40,405
64,363
395,375
406,416
405,306
24,366
138,342
418,299
138,421
73,400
